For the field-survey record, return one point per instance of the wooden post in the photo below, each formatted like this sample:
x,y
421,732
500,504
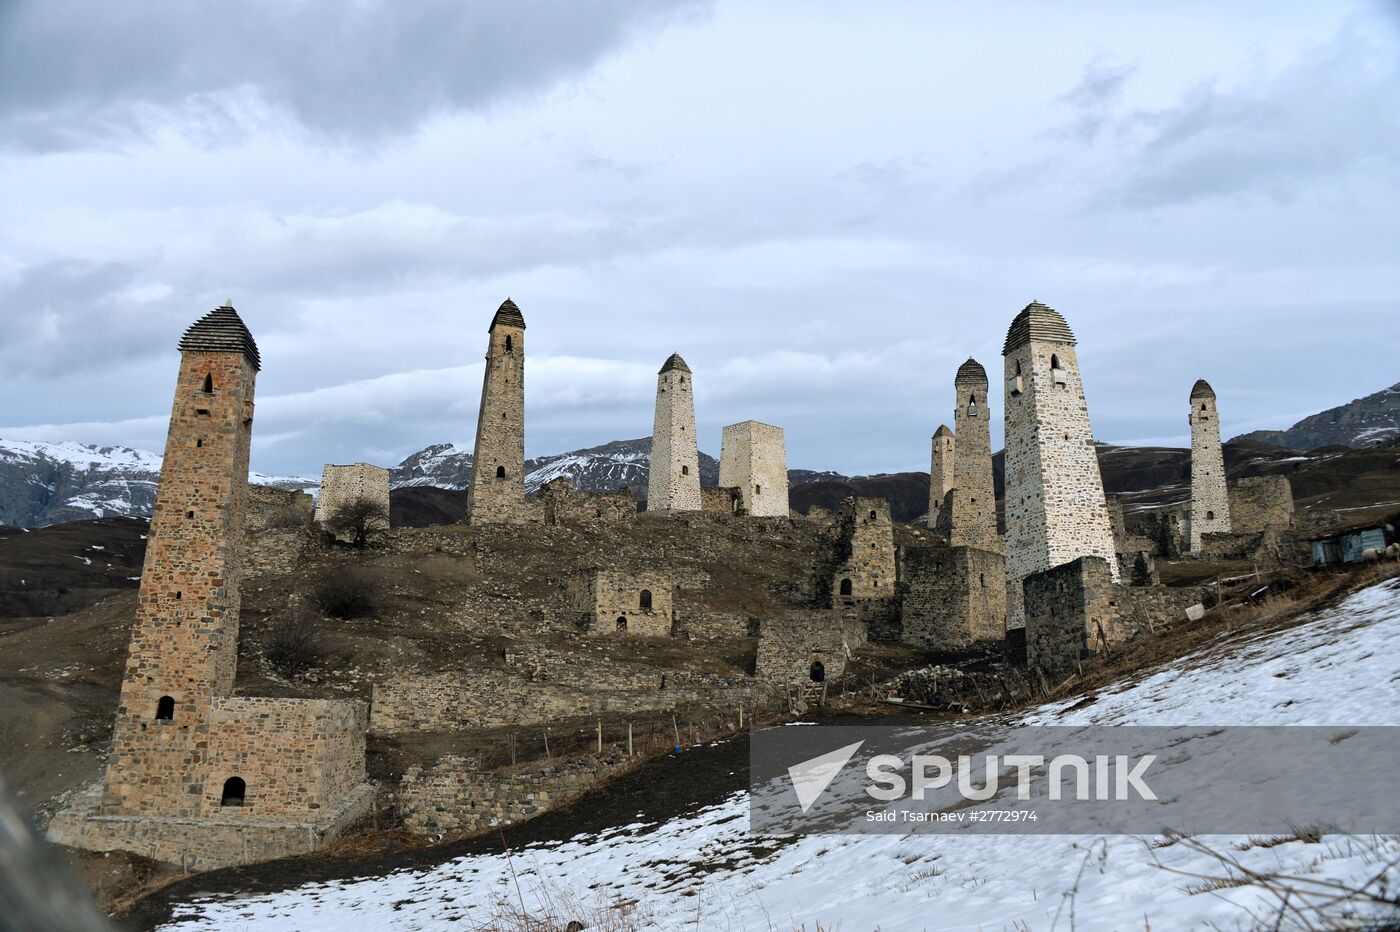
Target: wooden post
x,y
741,716
600,736
675,726
629,739
546,746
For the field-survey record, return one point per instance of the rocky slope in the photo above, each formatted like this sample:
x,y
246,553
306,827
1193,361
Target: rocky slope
x,y
1372,421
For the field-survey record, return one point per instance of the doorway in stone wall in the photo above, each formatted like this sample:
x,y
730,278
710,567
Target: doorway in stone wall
x,y
622,624
818,672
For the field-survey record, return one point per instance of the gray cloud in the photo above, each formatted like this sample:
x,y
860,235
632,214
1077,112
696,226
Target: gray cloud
x,y
344,71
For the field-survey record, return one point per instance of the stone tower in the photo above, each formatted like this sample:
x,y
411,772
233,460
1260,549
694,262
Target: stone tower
x,y
674,480
753,459
497,491
974,508
1056,511
940,477
1210,500
184,644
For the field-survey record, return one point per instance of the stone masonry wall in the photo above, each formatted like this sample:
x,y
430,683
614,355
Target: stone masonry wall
x,y
496,493
1261,503
1056,510
952,597
790,648
341,485
639,603
1210,503
721,500
451,796
295,755
275,530
753,458
673,483
560,503
867,535
1069,615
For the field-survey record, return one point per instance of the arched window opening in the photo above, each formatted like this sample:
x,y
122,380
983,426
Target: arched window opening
x,y
845,587
872,516
983,577
758,490
1210,516
510,346
622,624
179,594
500,472
818,672
165,709
685,470
234,791
645,600
1054,361
1203,406
972,406
208,385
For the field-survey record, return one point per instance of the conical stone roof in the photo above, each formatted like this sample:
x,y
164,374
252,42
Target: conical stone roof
x,y
1202,389
221,331
674,361
971,371
507,315
1037,323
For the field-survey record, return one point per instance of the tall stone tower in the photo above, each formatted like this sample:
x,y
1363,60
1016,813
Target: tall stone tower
x,y
184,644
940,477
674,480
974,507
1210,500
497,491
1056,511
753,459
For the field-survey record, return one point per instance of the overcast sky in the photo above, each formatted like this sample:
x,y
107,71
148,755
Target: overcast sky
x,y
824,207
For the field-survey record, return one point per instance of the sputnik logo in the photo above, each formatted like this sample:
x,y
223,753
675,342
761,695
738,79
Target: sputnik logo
x,y
811,777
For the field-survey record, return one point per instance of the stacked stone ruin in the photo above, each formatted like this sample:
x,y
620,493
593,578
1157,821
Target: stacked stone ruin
x,y
343,486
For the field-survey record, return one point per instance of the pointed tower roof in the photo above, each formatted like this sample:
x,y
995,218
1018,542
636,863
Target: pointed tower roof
x,y
221,331
971,371
942,431
507,315
1037,322
674,361
1202,389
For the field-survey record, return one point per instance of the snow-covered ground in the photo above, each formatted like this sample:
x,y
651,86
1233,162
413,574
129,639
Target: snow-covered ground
x,y
704,871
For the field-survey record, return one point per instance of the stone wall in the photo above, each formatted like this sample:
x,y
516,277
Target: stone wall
x,y
721,500
753,459
1261,503
275,531
673,481
496,492
1070,615
802,648
1141,610
451,796
711,626
343,485
492,698
1210,503
868,569
560,503
294,755
952,597
1056,510
625,603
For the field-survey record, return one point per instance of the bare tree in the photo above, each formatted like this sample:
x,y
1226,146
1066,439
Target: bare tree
x,y
357,518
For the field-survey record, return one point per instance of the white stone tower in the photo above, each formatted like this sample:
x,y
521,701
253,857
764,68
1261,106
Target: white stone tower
x,y
1056,511
753,459
940,477
674,480
974,507
497,491
1210,500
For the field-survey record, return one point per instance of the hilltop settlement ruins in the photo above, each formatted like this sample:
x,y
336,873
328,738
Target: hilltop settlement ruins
x,y
565,613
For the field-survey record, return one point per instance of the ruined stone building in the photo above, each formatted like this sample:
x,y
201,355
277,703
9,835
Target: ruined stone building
x,y
952,597
1210,500
868,569
635,603
753,459
1056,511
973,506
674,480
497,491
198,776
941,471
343,485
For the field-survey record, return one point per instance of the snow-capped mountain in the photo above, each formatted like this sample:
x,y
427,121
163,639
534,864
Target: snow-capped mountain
x,y
48,483
1373,421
